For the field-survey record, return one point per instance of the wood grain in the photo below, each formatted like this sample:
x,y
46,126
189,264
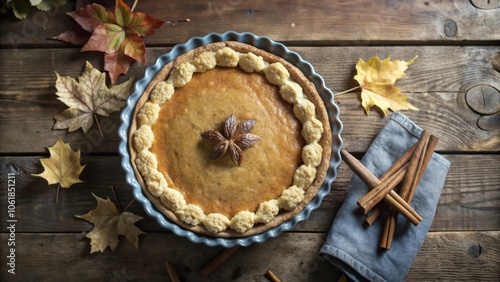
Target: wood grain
x,y
468,201
464,256
296,22
456,255
436,83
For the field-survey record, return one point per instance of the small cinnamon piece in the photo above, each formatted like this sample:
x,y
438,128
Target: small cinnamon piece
x,y
218,260
371,180
273,277
342,278
171,272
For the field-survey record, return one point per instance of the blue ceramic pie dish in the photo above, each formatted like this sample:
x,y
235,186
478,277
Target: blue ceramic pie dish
x,y
270,46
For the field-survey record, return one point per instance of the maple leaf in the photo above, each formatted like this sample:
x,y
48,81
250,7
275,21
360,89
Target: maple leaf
x,y
77,35
376,79
109,223
118,34
88,98
62,167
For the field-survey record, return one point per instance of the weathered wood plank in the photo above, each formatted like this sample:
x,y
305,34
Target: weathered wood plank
x,y
71,253
30,75
436,83
452,256
469,200
320,22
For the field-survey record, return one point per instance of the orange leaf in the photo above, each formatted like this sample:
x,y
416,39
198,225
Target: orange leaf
x,y
116,63
119,34
106,38
134,47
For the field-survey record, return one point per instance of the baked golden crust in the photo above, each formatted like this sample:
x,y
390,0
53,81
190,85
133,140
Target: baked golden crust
x,y
304,183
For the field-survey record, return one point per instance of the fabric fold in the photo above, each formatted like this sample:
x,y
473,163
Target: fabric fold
x,y
351,245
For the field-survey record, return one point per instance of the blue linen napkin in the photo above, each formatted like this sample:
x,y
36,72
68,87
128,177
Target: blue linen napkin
x,y
351,245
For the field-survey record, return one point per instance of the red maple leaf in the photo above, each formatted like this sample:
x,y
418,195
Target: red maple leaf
x,y
118,34
77,35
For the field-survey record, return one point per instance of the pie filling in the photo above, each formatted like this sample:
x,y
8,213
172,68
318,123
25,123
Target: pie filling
x,y
199,95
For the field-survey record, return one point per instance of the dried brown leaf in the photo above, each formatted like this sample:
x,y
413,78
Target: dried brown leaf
x,y
109,223
88,97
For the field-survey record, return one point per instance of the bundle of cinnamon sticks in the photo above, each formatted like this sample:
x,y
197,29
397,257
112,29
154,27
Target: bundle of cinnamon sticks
x,y
407,171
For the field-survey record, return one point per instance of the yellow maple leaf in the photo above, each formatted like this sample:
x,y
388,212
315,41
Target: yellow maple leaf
x,y
109,223
376,79
62,167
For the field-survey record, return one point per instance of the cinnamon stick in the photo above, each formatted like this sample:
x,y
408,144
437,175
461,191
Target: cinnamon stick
x,y
417,165
378,193
405,158
431,146
390,221
273,277
218,260
379,208
359,169
171,272
413,166
388,229
371,180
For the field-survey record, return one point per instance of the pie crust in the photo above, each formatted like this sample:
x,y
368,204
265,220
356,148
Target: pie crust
x,y
162,104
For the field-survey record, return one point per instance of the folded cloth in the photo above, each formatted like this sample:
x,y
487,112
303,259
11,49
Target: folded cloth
x,y
351,245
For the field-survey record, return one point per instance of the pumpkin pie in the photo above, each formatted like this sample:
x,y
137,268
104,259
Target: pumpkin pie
x,y
229,140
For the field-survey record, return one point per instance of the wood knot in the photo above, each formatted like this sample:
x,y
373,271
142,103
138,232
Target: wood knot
x,y
475,250
489,123
486,4
450,28
496,63
483,99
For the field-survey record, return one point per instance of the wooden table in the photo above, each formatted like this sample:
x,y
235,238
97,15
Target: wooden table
x,y
455,82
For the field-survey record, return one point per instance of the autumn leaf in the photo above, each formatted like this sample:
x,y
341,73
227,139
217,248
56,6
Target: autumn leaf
x,y
63,166
109,223
77,35
119,34
376,79
87,98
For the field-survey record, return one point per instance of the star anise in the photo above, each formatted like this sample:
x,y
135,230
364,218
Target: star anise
x,y
234,138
